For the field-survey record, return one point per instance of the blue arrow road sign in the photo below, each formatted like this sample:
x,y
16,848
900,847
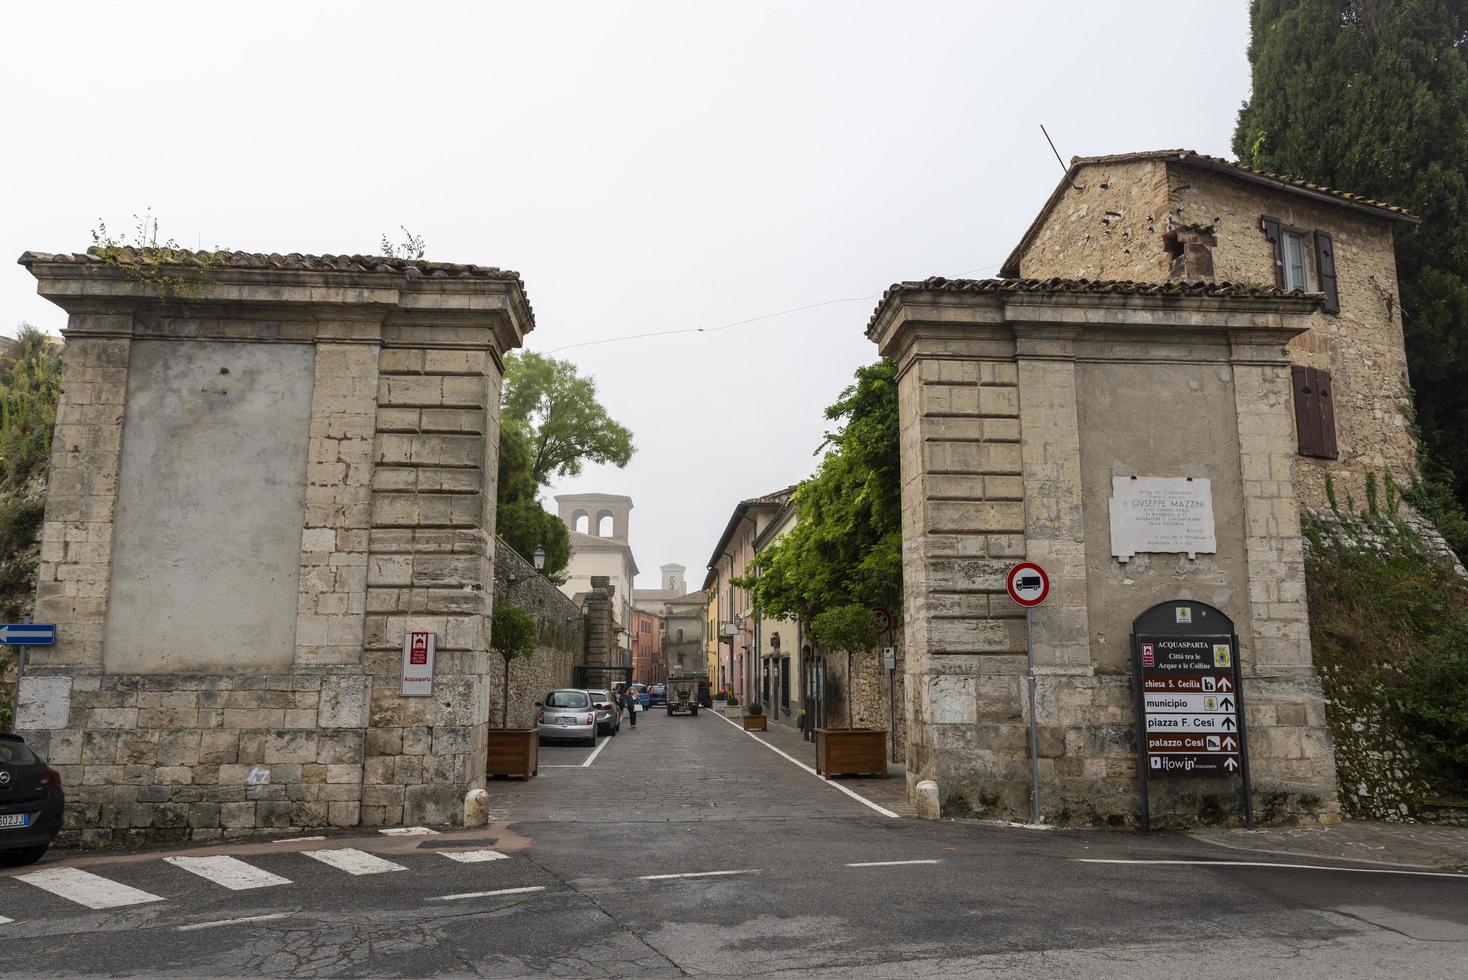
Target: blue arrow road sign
x,y
28,634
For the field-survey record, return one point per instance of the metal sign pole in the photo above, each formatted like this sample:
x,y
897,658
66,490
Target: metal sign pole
x,y
1141,733
1238,673
20,652
1034,727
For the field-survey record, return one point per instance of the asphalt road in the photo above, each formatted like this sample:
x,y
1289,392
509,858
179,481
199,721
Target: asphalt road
x,y
687,848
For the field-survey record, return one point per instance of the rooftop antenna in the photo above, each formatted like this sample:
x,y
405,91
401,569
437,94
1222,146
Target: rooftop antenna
x,y
1053,150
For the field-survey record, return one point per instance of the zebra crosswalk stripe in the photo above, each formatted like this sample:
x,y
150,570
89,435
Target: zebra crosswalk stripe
x,y
229,872
473,857
85,888
353,861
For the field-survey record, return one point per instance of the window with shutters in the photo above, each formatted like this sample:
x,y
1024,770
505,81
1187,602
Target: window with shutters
x,y
1314,412
1291,262
1296,276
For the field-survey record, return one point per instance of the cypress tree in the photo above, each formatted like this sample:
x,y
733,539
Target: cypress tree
x,y
1371,96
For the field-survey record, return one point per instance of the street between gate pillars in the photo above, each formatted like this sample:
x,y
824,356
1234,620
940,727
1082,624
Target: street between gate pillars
x,y
1029,586
1190,710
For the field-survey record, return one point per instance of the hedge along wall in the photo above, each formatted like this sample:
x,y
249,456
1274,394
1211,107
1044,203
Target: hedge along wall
x,y
1381,598
561,639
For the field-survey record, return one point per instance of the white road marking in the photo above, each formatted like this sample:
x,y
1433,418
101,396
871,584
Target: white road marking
x,y
235,922
232,873
353,861
888,864
701,874
292,840
5,921
1270,864
502,891
592,758
829,782
474,857
85,888
406,831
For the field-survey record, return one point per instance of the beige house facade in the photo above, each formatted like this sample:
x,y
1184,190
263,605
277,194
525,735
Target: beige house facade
x,y
1177,215
738,638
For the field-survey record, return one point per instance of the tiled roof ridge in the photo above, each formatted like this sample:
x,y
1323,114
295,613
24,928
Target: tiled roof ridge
x,y
1183,154
778,497
292,261
1060,285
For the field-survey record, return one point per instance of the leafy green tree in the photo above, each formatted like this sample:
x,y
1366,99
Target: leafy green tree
x,y
512,634
846,548
551,424
566,425
519,517
30,383
1372,96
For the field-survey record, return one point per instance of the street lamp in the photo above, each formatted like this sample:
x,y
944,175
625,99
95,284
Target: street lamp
x,y
539,559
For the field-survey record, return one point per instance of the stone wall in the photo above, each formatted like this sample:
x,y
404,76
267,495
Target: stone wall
x,y
1114,223
872,701
1018,406
1107,225
562,638
400,439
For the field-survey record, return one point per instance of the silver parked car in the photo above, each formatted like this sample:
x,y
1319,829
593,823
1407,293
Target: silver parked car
x,y
567,714
608,711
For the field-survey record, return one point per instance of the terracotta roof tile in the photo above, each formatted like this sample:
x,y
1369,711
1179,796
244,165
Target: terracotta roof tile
x,y
1289,180
1090,286
293,261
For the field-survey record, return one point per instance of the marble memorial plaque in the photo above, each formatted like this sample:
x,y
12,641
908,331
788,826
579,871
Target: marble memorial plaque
x,y
1161,514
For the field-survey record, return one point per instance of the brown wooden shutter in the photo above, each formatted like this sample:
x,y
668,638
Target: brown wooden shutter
x,y
1326,393
1325,267
1314,412
1271,232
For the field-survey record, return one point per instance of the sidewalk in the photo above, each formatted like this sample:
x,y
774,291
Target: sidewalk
x,y
890,792
1427,848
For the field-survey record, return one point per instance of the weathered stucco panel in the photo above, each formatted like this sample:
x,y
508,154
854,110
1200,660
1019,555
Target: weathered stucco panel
x,y
211,501
1146,420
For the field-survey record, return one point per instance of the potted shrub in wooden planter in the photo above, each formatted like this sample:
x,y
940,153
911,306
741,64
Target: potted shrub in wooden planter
x,y
512,751
849,751
755,719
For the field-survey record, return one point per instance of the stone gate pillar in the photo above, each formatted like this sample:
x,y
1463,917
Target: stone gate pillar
x,y
266,469
1019,403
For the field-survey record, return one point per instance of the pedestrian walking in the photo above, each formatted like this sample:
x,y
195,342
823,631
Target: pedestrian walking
x,y
629,701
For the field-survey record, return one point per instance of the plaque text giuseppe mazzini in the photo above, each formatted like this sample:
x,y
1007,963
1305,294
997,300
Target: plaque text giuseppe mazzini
x,y
1161,514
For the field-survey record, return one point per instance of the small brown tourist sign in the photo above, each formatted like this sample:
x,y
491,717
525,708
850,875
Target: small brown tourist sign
x,y
1185,667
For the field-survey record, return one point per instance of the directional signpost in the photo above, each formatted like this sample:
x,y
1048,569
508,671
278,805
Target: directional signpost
x,y
1185,669
20,636
1029,586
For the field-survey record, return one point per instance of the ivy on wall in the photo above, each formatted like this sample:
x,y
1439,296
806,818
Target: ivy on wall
x,y
1389,628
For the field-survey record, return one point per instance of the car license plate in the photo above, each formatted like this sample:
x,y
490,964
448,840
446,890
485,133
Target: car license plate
x,y
15,819
563,720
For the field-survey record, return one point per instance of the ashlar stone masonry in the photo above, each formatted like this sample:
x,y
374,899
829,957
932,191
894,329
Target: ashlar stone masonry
x,y
266,469
1019,402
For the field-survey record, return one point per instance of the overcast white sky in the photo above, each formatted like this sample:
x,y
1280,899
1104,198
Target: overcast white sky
x,y
644,166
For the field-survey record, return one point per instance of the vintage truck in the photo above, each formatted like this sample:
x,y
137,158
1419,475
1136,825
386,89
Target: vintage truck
x,y
683,692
